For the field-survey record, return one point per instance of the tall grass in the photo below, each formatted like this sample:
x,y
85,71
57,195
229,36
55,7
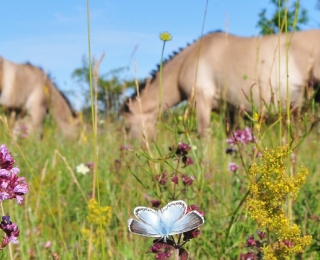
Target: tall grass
x,y
55,209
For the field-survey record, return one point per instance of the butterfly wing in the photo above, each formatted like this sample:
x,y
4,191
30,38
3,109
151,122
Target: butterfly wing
x,y
142,229
172,212
147,216
188,222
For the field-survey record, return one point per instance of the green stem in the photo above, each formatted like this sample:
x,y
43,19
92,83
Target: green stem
x,y
234,215
160,82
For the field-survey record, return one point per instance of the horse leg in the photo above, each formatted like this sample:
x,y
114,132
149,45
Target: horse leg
x,y
204,99
37,114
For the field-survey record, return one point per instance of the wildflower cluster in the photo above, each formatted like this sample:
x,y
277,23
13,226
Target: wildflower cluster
x,y
241,136
255,246
181,151
270,188
98,213
241,139
166,250
97,216
179,181
11,230
11,187
21,131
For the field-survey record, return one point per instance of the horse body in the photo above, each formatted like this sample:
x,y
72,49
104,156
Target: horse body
x,y
27,88
224,68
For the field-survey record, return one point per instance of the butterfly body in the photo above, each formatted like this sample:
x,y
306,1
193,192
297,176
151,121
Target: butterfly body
x,y
168,221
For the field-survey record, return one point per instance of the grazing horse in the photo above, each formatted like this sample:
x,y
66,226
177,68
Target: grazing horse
x,y
27,89
223,67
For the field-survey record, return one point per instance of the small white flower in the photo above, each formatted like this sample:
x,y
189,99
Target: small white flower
x,y
81,168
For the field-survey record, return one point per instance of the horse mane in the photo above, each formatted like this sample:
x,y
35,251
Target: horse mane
x,y
74,114
154,72
175,53
63,95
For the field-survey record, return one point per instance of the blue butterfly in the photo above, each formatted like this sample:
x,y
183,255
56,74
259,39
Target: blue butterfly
x,y
168,221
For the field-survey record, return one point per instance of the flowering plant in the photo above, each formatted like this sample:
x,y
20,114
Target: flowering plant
x,y
270,188
11,187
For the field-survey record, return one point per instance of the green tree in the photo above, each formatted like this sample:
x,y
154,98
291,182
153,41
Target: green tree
x,y
110,91
291,17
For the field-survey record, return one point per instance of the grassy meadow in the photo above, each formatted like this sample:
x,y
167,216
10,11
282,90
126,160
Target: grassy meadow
x,y
251,190
59,216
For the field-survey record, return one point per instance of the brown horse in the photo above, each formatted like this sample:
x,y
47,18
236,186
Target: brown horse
x,y
225,67
28,89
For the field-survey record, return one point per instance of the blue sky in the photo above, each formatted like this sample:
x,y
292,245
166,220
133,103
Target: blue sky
x,y
53,34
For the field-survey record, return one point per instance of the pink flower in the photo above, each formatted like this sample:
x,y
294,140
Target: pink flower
x,y
6,160
162,250
187,161
155,203
241,136
11,187
196,208
175,179
162,178
233,167
47,244
186,180
183,149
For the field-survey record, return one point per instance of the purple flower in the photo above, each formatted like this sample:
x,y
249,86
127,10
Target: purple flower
x,y
11,187
248,256
251,241
161,250
186,180
24,131
162,178
165,251
288,243
11,230
155,203
4,173
187,161
6,160
258,153
175,179
124,148
241,136
182,149
233,167
191,234
261,234
196,208
90,165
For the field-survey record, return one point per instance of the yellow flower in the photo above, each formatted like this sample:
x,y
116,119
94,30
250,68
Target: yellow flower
x,y
256,122
270,188
165,36
98,213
